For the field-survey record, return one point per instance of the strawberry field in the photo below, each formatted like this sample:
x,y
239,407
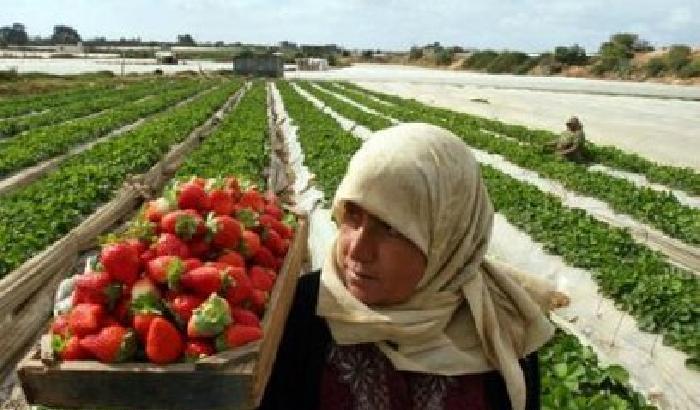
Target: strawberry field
x,y
629,340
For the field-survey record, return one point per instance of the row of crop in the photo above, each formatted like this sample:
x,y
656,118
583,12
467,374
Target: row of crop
x,y
570,372
237,146
82,106
685,179
663,298
34,216
12,107
373,122
46,142
658,209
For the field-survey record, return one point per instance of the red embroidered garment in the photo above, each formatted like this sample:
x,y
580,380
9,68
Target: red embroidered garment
x,y
360,377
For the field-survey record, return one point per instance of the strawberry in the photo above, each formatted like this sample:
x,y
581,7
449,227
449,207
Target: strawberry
x,y
248,218
122,311
121,261
148,255
232,258
186,224
191,195
258,300
273,210
141,322
169,244
274,242
145,297
138,245
221,201
280,227
111,321
198,348
192,264
265,258
163,344
237,335
59,326
240,288
198,247
252,199
113,344
210,318
231,184
85,318
182,306
155,209
68,348
250,243
166,270
262,278
96,287
224,231
204,281
244,317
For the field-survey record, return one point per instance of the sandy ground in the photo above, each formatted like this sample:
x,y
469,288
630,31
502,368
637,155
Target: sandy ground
x,y
659,122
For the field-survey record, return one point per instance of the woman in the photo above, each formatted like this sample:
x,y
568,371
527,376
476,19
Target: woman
x,y
406,312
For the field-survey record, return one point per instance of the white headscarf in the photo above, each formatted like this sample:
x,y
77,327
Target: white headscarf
x,y
467,314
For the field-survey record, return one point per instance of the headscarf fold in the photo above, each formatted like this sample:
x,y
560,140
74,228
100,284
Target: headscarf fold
x,y
468,314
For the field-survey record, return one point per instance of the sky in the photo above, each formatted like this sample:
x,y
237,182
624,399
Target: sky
x,y
525,25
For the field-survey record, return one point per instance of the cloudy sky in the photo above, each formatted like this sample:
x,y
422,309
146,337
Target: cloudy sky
x,y
528,25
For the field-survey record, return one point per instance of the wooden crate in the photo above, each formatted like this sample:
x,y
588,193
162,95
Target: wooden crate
x,y
234,379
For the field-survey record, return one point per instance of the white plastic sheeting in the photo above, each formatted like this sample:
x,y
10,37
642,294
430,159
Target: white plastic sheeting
x,y
308,200
357,129
354,103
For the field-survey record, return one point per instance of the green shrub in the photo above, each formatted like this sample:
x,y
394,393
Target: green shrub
x,y
507,62
691,69
574,55
678,56
480,59
655,66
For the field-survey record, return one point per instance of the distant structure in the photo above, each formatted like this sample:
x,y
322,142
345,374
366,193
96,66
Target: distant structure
x,y
166,57
69,48
311,64
269,65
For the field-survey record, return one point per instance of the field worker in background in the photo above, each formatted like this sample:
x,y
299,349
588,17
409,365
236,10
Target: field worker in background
x,y
407,311
571,144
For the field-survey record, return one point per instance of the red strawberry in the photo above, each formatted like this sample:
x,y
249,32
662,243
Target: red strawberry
x,y
262,278
96,287
145,297
250,243
141,323
68,348
169,244
224,231
163,344
274,242
111,321
85,318
166,270
112,345
59,326
279,226
244,317
240,288
122,310
191,195
138,245
210,318
232,258
274,211
148,255
192,264
121,261
252,199
232,185
156,209
198,247
237,335
204,281
258,300
186,224
183,305
221,201
198,348
265,258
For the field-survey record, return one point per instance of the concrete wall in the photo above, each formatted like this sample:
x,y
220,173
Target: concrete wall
x,y
264,66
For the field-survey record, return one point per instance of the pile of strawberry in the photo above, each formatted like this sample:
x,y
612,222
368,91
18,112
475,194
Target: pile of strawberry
x,y
190,277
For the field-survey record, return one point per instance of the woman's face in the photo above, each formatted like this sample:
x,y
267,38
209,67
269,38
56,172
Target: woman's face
x,y
379,265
